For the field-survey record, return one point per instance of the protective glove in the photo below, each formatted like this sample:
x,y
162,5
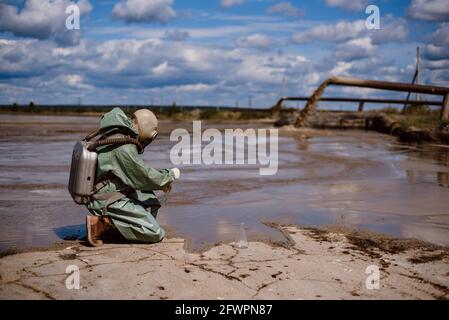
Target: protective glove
x,y
167,188
176,174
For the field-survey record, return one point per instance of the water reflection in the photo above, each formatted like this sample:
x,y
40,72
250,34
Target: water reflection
x,y
443,179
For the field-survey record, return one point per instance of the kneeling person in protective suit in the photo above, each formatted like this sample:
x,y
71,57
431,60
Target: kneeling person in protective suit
x,y
134,214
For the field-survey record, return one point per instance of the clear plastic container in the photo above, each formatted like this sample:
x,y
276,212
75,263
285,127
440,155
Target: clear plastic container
x,y
242,242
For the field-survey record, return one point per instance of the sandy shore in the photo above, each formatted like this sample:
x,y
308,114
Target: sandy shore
x,y
314,264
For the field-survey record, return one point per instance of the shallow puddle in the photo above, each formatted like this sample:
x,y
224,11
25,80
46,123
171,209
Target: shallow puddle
x,y
352,178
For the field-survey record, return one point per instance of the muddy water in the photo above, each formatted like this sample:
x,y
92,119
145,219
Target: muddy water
x,y
350,178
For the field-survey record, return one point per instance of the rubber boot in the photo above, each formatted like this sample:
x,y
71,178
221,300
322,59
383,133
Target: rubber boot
x,y
96,227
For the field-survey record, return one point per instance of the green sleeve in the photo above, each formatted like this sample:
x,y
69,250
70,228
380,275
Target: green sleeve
x,y
134,173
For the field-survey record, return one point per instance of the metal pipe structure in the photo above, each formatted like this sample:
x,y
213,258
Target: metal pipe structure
x,y
385,85
374,84
361,101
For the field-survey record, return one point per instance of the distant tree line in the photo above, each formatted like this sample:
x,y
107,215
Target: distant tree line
x,y
171,112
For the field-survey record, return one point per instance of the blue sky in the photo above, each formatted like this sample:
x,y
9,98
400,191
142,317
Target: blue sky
x,y
198,52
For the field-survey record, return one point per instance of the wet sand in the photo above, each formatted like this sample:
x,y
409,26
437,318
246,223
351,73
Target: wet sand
x,y
353,179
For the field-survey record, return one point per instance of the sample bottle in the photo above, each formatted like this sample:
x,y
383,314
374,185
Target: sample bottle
x,y
242,243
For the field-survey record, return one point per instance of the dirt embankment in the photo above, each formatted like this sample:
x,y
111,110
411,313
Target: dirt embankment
x,y
388,124
312,264
379,122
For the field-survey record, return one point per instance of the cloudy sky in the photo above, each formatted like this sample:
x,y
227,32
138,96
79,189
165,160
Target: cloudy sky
x,y
195,52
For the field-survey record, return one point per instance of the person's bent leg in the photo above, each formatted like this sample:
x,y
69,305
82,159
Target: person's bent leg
x,y
134,222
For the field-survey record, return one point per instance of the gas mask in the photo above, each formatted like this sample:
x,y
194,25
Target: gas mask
x,y
147,125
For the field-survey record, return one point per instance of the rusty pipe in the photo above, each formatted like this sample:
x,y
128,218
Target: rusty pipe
x,y
385,85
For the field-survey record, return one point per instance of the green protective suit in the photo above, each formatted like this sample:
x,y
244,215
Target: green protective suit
x,y
135,215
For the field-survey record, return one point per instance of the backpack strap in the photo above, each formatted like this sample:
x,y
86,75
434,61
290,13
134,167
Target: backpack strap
x,y
110,198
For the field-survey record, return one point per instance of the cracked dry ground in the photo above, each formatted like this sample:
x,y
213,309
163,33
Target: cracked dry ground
x,y
312,266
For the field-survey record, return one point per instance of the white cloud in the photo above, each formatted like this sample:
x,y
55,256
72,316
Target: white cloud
x,y
163,69
176,35
438,64
355,49
353,5
433,52
286,9
160,11
257,40
130,71
340,69
42,19
313,78
441,35
439,76
197,87
24,58
341,31
75,81
231,3
393,30
436,55
435,10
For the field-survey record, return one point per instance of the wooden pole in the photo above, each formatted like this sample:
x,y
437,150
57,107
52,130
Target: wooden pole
x,y
418,71
361,105
445,108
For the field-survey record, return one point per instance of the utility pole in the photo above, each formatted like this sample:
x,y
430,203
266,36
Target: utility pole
x,y
217,102
283,87
418,70
415,79
250,101
180,101
282,90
